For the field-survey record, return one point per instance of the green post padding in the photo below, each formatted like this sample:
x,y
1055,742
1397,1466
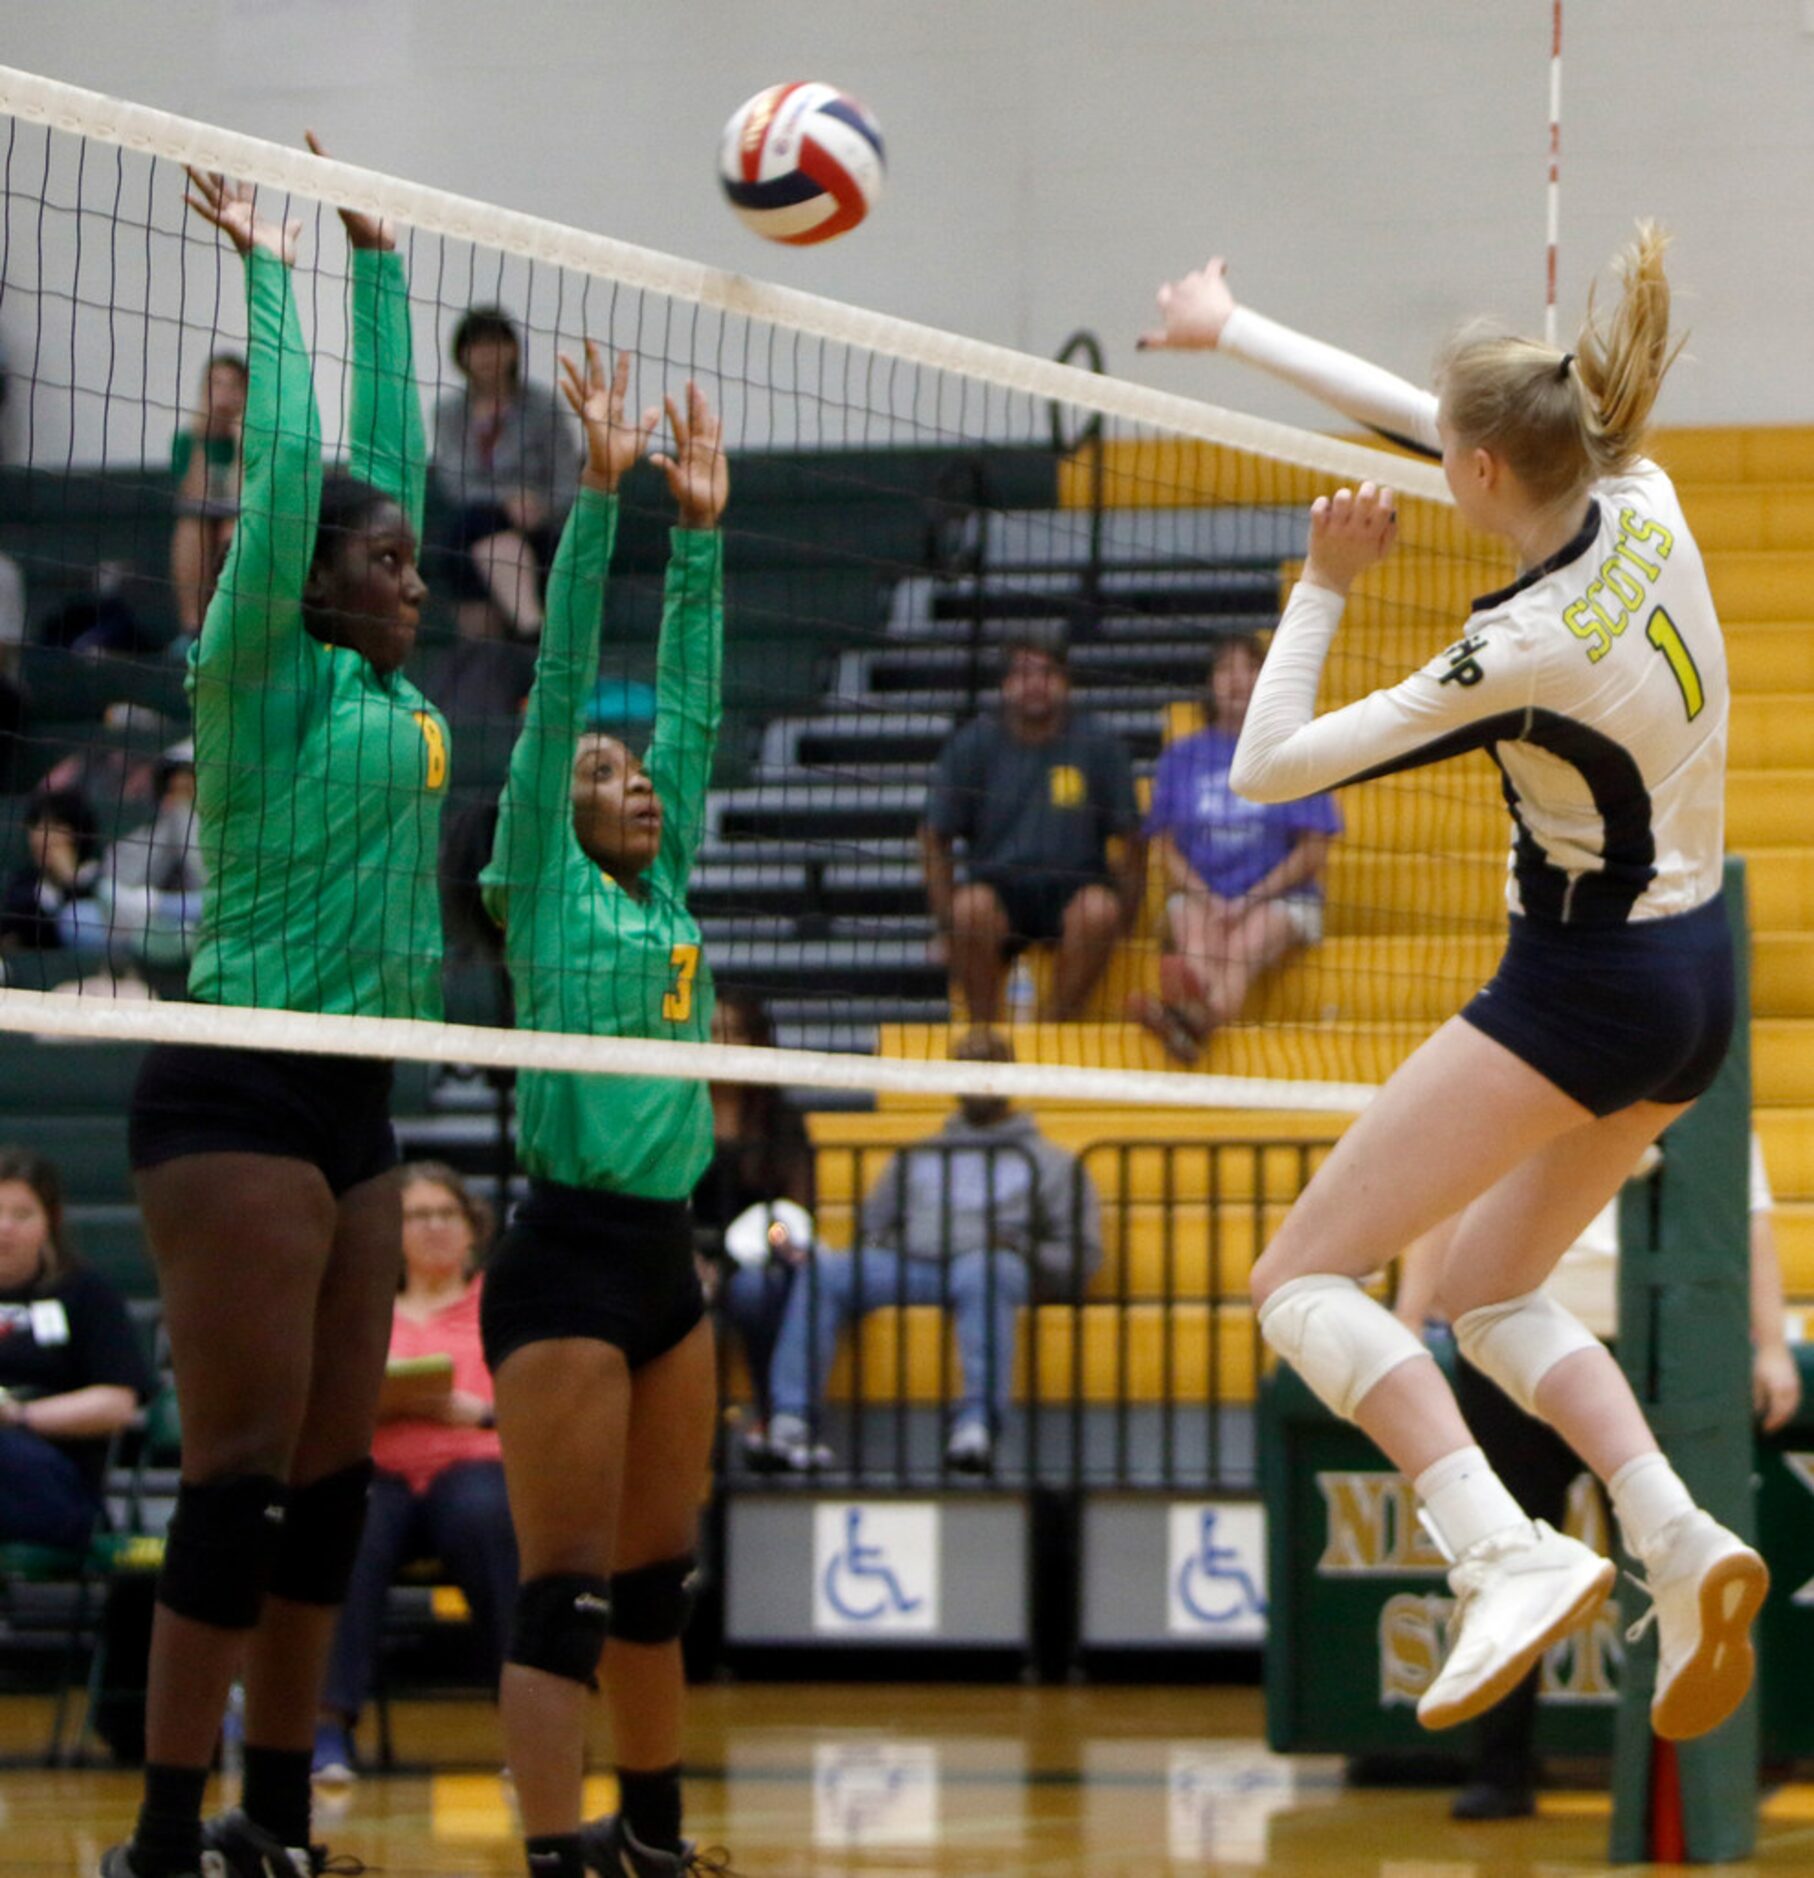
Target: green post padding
x,y
1350,1637
1684,1343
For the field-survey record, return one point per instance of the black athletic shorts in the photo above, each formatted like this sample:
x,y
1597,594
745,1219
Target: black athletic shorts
x,y
1035,903
331,1111
1616,1015
581,1263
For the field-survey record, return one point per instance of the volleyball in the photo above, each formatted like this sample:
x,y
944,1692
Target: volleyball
x,y
801,163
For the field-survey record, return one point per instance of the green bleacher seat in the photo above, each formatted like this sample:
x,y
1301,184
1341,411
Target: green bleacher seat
x,y
89,1151
43,971
64,1078
111,1239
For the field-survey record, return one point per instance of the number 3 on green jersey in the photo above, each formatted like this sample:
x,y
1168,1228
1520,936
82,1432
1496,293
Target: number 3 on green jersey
x,y
683,968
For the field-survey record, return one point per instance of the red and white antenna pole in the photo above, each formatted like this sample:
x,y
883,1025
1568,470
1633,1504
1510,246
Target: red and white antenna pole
x,y
1555,165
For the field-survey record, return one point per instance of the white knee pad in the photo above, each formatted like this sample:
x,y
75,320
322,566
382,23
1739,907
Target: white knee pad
x,y
1519,1342
1336,1337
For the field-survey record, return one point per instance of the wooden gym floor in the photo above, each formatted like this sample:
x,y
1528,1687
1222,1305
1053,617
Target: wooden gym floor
x,y
816,1782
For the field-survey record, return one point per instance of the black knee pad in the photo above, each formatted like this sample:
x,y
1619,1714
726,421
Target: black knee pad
x,y
652,1603
219,1550
560,1625
321,1535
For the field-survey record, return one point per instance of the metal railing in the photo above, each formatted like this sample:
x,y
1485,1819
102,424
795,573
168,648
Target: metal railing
x,y
1133,1360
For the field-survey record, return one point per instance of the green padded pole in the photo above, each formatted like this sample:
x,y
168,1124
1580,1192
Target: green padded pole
x,y
1684,1342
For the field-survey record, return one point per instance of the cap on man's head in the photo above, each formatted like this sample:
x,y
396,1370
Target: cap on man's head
x,y
1046,638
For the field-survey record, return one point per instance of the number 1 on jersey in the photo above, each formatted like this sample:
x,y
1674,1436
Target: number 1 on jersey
x,y
1662,633
683,964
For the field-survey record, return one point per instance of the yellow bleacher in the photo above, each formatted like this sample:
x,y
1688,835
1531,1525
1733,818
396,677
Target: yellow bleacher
x,y
1415,917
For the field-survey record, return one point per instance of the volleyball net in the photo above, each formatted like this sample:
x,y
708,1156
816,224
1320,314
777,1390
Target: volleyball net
x,y
911,512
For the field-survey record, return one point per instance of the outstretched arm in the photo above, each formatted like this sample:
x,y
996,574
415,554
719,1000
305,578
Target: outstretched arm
x,y
254,622
386,443
535,814
1199,313
689,674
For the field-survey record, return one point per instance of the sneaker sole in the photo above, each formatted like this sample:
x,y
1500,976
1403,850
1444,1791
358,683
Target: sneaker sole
x,y
1515,1668
1717,1677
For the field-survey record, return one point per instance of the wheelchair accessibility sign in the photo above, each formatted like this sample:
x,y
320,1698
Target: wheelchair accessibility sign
x,y
1215,1586
876,1568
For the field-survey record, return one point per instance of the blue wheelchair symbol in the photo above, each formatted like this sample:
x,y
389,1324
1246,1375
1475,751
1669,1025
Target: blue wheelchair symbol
x,y
858,1584
1213,1585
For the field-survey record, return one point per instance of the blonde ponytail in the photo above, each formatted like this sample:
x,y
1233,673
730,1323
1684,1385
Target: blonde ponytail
x,y
1561,420
1622,368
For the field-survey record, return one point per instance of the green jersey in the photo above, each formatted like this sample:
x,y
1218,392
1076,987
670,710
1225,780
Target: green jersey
x,y
318,781
585,954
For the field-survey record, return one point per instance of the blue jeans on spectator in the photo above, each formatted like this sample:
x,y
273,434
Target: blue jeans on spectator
x,y
983,1289
45,1498
755,1303
462,1519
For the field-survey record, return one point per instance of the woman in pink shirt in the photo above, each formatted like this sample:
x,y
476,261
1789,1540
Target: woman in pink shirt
x,y
439,1488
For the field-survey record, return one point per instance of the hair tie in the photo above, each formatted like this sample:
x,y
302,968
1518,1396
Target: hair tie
x,y
1568,359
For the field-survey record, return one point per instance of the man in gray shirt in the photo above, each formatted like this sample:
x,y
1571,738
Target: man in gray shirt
x,y
979,1218
1042,799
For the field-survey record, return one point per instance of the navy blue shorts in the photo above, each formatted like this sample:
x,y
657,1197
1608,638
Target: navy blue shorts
x,y
331,1111
1616,1015
580,1263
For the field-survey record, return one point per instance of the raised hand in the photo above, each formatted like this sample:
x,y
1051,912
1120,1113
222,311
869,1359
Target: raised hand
x,y
697,472
1350,532
612,443
1192,311
232,208
362,230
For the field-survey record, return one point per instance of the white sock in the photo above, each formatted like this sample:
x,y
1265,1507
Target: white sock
x,y
1466,1501
1647,1494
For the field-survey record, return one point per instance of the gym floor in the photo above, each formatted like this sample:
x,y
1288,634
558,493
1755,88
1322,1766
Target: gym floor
x,y
800,1781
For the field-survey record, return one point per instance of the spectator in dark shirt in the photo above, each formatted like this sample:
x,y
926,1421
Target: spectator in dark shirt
x,y
52,902
760,1156
1243,880
1042,800
506,459
71,1370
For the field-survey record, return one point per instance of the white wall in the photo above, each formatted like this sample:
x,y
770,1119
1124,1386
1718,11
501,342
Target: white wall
x,y
1376,170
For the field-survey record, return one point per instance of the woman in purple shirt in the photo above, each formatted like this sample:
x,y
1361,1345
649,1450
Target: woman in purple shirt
x,y
1242,879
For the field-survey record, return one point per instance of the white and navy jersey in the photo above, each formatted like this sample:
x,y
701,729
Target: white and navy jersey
x,y
1596,682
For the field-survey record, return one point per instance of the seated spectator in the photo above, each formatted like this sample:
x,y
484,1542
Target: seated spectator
x,y
505,459
101,621
153,877
52,903
982,1216
1043,800
72,1374
439,1488
760,1156
205,460
1243,880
